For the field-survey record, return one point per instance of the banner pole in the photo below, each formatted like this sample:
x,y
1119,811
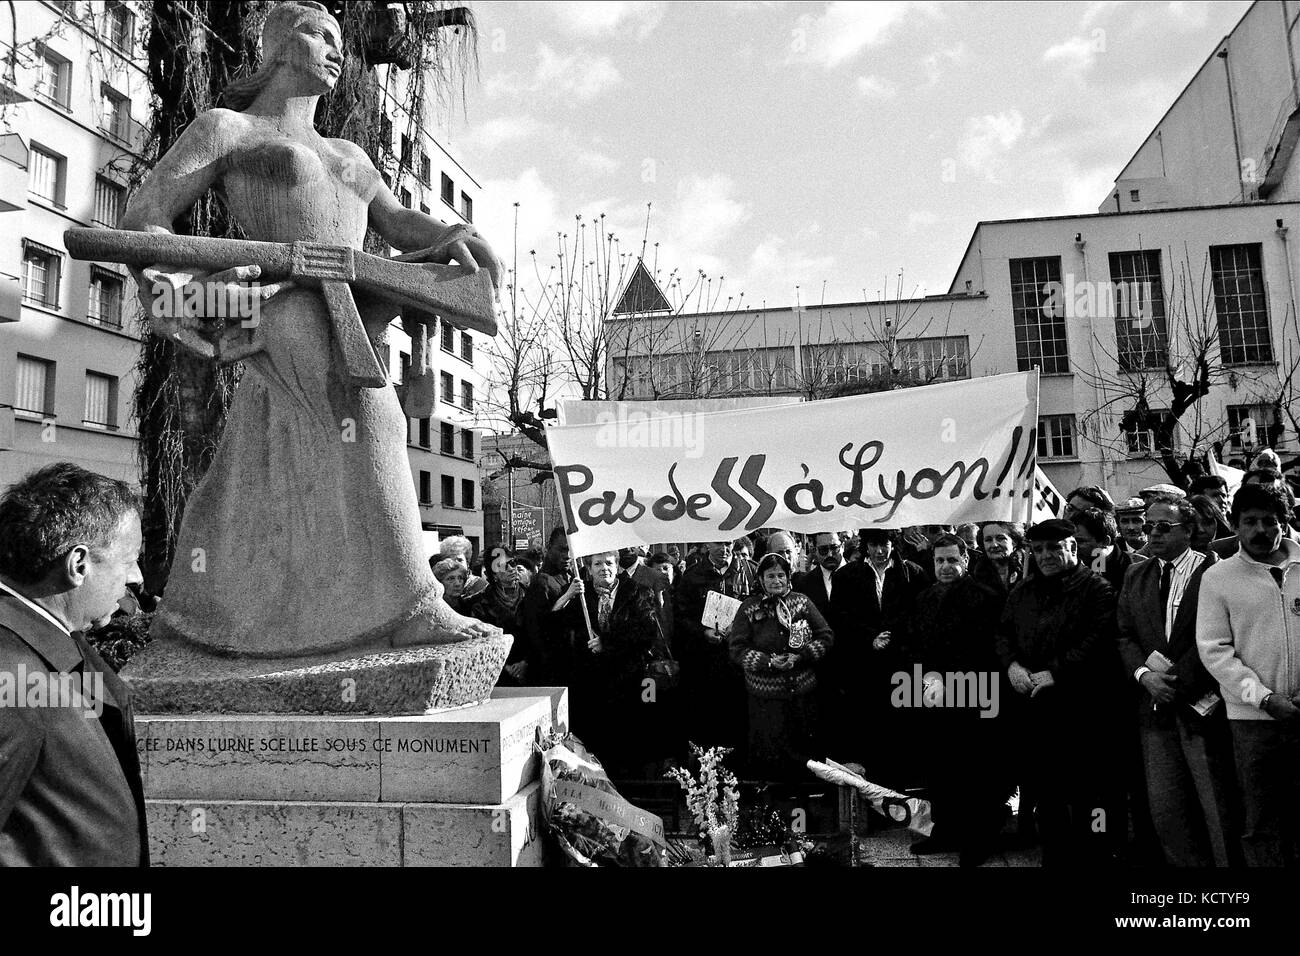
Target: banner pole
x,y
573,560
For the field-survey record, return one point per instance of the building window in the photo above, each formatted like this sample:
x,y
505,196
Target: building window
x,y
448,491
467,395
117,113
108,202
426,170
448,389
404,195
1141,328
448,439
120,22
41,268
466,347
426,488
1240,301
1133,195
1039,317
425,441
424,208
448,191
101,401
55,77
467,444
46,175
1140,443
35,386
1253,426
448,337
403,367
466,207
466,493
406,151
104,305
1056,434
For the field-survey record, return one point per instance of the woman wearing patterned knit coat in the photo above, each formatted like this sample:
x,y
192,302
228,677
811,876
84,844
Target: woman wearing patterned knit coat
x,y
777,636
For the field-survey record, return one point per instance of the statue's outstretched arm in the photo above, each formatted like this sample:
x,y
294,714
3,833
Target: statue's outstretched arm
x,y
169,292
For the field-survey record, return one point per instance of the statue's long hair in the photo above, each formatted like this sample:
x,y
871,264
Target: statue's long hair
x,y
283,20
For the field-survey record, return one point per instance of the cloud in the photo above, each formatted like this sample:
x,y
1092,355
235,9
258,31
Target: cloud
x,y
987,139
920,219
846,29
1098,9
1189,16
595,161
777,265
874,88
492,133
937,63
577,74
596,17
1076,55
539,218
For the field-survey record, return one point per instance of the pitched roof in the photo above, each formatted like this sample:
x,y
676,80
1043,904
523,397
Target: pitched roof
x,y
642,294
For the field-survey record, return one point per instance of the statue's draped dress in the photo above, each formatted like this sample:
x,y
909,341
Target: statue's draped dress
x,y
304,535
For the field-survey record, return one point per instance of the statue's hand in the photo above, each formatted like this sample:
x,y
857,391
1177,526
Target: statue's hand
x,y
463,245
419,394
216,315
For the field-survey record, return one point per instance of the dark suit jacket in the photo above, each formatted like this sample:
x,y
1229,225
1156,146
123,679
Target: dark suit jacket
x,y
1117,564
1141,631
813,584
648,577
70,788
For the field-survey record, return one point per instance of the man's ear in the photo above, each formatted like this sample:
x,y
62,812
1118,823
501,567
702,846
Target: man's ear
x,y
74,566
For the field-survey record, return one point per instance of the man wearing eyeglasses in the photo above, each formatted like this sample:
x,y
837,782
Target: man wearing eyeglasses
x,y
1186,748
1248,635
816,583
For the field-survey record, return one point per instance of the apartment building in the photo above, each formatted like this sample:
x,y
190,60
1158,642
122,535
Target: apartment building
x,y
73,116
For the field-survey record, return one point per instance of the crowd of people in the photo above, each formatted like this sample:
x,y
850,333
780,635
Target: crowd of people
x,y
1130,669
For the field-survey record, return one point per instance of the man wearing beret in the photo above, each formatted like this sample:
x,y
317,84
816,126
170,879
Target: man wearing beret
x,y
1056,642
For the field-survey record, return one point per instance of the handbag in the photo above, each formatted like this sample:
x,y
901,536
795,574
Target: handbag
x,y
659,665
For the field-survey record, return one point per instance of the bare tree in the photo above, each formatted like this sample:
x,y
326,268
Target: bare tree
x,y
1152,377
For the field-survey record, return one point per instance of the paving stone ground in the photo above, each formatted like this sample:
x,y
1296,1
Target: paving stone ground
x,y
891,847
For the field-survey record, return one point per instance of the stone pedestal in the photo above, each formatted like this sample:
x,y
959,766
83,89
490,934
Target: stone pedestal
x,y
457,787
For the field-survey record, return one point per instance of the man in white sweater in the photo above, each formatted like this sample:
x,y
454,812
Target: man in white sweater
x,y
1248,635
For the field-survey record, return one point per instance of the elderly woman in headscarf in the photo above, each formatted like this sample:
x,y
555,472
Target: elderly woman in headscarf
x,y
776,637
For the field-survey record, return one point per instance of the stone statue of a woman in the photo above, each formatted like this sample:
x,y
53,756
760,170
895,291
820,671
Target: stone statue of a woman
x,y
304,536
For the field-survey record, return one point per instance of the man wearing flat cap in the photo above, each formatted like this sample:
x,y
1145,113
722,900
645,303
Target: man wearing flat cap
x,y
1056,642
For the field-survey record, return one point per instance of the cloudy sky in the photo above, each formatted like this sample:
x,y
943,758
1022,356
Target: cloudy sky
x,y
828,146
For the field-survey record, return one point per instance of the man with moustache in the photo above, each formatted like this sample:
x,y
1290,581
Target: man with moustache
x,y
1056,643
817,582
1248,635
1186,753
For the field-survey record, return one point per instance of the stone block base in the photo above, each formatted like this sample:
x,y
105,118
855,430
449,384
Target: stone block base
x,y
481,754
316,833
173,676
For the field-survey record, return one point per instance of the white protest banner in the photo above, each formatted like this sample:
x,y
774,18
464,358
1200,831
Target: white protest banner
x,y
940,454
